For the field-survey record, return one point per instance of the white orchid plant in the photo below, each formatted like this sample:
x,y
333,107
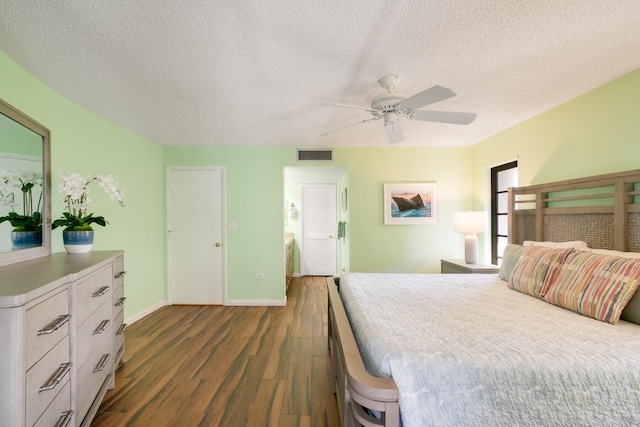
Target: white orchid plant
x,y
21,182
75,189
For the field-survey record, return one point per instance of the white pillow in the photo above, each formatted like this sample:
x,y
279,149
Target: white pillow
x,y
634,255
576,244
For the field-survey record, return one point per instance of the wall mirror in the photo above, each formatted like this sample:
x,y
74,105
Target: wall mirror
x,y
25,187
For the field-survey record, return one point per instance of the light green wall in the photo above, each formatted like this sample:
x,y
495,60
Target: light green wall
x,y
376,247
21,141
596,133
254,201
85,143
592,134
255,197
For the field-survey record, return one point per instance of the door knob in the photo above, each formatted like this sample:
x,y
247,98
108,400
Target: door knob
x,y
218,244
331,236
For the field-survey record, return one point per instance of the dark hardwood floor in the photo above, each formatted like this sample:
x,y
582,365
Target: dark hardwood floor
x,y
228,366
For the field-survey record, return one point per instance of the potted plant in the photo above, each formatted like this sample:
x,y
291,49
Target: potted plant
x,y
76,220
27,227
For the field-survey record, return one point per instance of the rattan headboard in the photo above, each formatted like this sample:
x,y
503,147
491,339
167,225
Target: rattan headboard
x,y
602,210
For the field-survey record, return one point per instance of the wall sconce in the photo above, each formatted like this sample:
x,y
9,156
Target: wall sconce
x,y
293,211
470,223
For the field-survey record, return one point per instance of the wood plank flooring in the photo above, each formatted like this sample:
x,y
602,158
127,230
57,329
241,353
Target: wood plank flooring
x,y
227,366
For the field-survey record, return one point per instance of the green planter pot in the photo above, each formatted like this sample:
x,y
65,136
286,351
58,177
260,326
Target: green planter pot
x,y
77,242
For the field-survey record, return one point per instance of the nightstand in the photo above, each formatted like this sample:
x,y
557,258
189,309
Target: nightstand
x,y
458,266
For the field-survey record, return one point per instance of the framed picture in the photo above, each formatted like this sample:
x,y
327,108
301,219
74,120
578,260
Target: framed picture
x,y
410,204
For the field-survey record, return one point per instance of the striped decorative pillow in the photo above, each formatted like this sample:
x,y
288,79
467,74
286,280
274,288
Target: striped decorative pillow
x,y
536,266
598,286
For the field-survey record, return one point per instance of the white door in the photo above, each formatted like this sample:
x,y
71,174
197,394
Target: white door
x,y
195,235
318,252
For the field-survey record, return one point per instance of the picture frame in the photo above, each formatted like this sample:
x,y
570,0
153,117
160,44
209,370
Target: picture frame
x,y
410,204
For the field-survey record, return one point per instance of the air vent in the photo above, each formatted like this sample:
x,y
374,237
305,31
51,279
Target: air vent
x,y
313,155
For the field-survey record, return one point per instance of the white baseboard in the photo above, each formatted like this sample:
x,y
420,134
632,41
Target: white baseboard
x,y
130,320
296,275
256,302
237,302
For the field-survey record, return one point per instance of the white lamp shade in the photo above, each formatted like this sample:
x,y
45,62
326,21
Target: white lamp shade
x,y
470,222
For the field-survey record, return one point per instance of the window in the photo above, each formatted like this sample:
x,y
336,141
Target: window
x,y
502,177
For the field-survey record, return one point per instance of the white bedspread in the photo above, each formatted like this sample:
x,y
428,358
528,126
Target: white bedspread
x,y
465,350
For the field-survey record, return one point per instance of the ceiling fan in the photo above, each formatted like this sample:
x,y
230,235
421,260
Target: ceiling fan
x,y
390,106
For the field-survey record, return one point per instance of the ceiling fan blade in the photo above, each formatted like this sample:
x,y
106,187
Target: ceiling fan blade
x,y
348,126
349,106
394,132
426,97
444,117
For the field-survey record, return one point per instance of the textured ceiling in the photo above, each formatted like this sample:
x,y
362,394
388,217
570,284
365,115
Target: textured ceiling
x,y
256,72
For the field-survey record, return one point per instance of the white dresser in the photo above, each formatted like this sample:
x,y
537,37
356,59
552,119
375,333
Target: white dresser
x,y
61,334
118,311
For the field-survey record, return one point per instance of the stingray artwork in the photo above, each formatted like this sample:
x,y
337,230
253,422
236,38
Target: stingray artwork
x,y
405,204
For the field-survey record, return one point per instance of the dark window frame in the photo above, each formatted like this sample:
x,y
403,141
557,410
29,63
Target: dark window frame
x,y
494,207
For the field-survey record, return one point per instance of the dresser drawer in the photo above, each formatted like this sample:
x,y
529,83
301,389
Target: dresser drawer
x,y
45,380
118,311
92,375
96,329
57,411
118,298
118,330
46,324
118,308
118,272
92,292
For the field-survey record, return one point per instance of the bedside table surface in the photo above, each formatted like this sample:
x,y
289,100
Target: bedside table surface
x,y
449,266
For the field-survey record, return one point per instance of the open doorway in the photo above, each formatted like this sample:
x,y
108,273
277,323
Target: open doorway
x,y
296,178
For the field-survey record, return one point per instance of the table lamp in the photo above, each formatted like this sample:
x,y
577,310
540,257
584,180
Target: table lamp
x,y
470,223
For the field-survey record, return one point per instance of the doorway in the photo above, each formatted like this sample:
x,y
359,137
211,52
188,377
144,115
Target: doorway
x,y
195,235
295,178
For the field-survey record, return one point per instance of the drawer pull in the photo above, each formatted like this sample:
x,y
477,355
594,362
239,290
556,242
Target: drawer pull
x,y
120,275
57,377
55,325
120,301
122,328
101,327
103,290
65,419
102,363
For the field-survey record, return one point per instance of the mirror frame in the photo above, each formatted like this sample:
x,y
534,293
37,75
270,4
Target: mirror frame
x,y
13,257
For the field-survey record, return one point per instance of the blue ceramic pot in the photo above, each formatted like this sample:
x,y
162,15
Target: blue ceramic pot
x,y
77,242
25,239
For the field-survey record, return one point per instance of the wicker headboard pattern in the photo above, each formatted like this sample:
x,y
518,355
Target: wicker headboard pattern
x,y
595,229
602,210
633,242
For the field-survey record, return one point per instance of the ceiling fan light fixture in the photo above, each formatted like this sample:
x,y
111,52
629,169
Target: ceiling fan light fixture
x,y
391,107
390,118
394,131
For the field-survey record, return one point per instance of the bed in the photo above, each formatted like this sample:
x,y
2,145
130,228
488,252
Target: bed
x,y
421,350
